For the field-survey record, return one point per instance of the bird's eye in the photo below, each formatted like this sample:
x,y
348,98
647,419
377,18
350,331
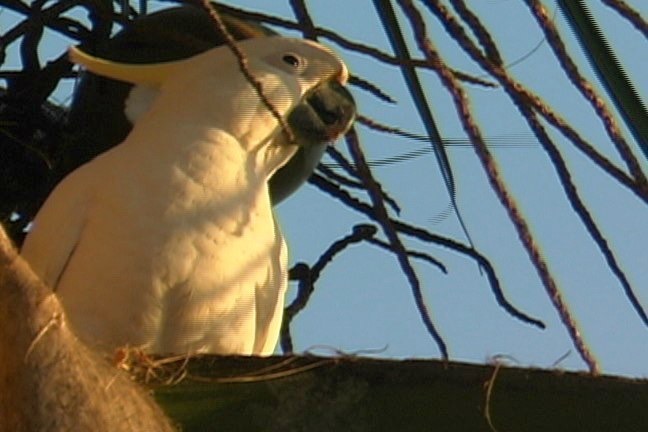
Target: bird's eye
x,y
292,60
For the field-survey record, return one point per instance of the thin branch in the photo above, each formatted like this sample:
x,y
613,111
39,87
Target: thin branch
x,y
579,142
601,161
630,14
307,276
330,173
483,36
305,288
587,90
414,254
373,89
342,162
515,141
242,61
344,42
376,197
523,104
423,235
490,167
303,17
342,180
399,45
610,73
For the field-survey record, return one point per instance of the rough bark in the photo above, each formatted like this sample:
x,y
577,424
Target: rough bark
x,y
315,394
50,381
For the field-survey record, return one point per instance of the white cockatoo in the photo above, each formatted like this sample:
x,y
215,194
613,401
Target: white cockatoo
x,y
168,241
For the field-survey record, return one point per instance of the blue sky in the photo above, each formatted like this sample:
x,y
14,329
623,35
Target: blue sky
x,y
363,303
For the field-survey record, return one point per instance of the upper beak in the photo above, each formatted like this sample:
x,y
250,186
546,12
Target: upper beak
x,y
335,107
325,113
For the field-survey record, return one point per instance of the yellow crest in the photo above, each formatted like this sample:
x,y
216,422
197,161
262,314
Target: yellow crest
x,y
152,75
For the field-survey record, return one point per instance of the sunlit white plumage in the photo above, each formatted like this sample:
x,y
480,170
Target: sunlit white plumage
x,y
168,241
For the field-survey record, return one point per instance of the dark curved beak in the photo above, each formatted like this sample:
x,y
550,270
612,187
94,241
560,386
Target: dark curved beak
x,y
325,114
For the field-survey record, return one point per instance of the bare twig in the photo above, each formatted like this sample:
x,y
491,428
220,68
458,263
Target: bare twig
x,y
426,236
489,164
630,14
376,196
307,276
328,172
523,101
345,43
363,84
588,92
303,17
414,254
399,45
483,36
242,60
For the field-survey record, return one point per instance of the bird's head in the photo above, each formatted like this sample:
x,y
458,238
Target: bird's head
x,y
324,113
289,71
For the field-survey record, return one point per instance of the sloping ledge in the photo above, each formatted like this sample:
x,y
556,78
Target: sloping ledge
x,y
360,394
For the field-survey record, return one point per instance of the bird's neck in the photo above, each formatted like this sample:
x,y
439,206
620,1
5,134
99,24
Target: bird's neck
x,y
204,165
215,145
